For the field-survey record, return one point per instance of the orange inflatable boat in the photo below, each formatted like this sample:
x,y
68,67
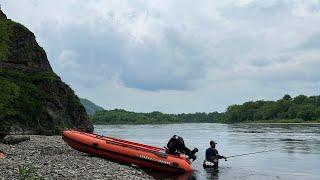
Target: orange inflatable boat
x,y
128,152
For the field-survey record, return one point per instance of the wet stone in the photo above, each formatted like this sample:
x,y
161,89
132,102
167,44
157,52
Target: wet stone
x,y
51,158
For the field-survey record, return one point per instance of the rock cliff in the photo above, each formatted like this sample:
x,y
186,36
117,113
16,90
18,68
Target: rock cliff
x,y
33,99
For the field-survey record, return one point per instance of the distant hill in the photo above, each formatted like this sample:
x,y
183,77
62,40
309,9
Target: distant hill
x,y
90,107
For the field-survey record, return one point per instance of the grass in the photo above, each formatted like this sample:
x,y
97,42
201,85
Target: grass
x,y
28,173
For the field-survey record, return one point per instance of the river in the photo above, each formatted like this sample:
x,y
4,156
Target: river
x,y
296,148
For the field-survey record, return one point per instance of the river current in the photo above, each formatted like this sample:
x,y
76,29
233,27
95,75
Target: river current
x,y
296,148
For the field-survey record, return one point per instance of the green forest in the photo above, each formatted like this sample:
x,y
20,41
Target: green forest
x,y
299,109
119,116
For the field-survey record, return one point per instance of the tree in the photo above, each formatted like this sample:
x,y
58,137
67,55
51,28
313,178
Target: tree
x,y
287,97
299,99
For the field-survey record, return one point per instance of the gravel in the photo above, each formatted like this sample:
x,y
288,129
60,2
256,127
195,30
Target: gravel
x,y
51,158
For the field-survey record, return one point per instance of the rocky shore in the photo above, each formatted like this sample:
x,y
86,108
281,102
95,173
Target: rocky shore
x,y
51,158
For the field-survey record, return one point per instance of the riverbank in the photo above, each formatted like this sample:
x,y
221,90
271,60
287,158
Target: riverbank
x,y
283,121
244,122
51,158
271,123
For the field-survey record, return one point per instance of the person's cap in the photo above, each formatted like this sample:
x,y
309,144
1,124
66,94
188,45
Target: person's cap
x,y
212,142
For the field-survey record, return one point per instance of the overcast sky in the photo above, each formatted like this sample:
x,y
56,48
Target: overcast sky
x,y
178,56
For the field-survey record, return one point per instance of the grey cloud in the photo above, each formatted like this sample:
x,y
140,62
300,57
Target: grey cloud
x,y
147,66
172,65
260,62
311,43
265,13
297,67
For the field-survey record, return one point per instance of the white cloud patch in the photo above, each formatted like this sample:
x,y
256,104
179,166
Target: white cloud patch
x,y
68,60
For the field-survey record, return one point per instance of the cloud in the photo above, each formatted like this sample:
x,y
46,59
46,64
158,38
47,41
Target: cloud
x,y
312,43
204,53
135,52
68,60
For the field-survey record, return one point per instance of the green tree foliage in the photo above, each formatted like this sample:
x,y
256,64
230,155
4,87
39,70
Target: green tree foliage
x,y
4,39
22,98
287,109
119,116
301,108
287,97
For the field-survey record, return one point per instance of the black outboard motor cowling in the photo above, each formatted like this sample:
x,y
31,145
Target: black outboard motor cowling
x,y
176,146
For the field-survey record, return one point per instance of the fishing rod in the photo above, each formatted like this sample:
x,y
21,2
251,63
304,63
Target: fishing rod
x,y
251,153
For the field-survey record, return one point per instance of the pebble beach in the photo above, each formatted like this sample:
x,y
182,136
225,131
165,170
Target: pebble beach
x,y
51,158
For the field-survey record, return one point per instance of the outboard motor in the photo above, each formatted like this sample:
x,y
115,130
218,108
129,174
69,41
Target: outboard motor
x,y
176,146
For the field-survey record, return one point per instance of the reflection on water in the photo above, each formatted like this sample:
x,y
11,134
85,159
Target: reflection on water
x,y
212,173
296,155
160,176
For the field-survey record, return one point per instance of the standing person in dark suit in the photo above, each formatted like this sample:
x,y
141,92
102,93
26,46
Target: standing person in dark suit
x,y
212,156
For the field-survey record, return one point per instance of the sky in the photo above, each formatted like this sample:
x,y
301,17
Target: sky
x,y
178,55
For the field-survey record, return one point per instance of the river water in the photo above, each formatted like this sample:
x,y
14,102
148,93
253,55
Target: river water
x,y
296,148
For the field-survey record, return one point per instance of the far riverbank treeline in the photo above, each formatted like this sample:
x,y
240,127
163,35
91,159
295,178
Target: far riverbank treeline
x,y
120,116
298,109
301,109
